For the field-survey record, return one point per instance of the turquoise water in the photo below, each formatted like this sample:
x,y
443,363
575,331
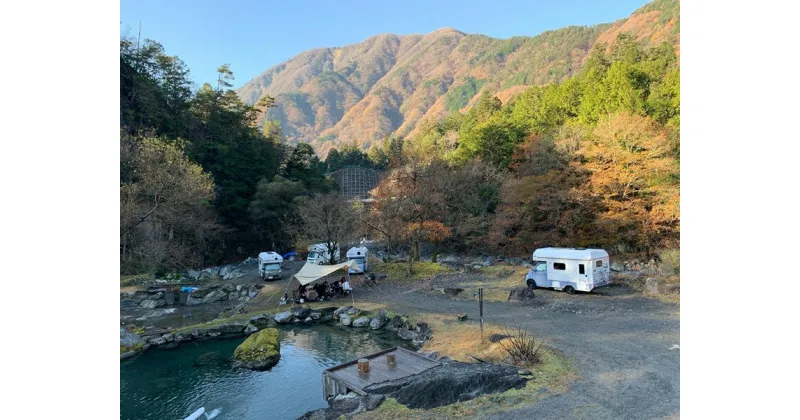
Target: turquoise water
x,y
172,384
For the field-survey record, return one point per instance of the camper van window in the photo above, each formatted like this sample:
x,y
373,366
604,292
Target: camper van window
x,y
599,263
559,266
581,270
273,266
312,255
540,266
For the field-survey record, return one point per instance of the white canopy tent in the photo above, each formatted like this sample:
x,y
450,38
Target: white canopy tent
x,y
313,272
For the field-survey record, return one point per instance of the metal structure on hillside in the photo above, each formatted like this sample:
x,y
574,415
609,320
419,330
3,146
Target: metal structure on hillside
x,y
356,182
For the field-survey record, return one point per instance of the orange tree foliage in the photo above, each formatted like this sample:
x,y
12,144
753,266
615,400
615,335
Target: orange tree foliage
x,y
635,175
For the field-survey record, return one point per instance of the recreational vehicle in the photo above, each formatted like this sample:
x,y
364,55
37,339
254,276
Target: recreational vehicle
x,y
568,269
320,255
359,255
269,265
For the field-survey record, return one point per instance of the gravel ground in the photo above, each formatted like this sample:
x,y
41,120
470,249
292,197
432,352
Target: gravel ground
x,y
623,346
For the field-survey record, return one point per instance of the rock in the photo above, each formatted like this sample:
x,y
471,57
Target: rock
x,y
193,274
239,288
378,321
229,328
250,329
657,286
260,351
488,261
284,317
233,295
229,288
361,322
496,337
345,406
128,304
242,292
156,341
301,312
259,320
452,291
423,329
462,317
215,296
224,270
452,381
345,319
316,316
339,311
353,311
191,301
168,338
397,321
309,320
520,294
447,259
152,304
477,266
129,339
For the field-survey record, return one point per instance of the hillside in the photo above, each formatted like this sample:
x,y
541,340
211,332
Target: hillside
x,y
387,84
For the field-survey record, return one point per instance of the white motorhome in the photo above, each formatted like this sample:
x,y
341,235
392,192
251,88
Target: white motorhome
x,y
359,255
269,265
568,269
320,255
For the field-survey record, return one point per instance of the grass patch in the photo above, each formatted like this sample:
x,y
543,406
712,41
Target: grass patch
x,y
134,279
399,270
135,347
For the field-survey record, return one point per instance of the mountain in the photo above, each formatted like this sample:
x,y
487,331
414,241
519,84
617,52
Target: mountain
x,y
388,84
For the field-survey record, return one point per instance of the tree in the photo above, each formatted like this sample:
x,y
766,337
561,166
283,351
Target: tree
x,y
274,210
326,218
634,173
166,219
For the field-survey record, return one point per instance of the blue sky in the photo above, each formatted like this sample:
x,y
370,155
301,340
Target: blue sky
x,y
255,35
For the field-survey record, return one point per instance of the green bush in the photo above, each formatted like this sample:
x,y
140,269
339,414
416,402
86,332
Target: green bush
x,y
671,261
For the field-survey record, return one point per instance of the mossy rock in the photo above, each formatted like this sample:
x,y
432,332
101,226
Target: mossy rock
x,y
260,351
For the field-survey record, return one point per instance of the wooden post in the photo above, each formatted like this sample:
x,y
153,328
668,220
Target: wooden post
x,y
480,304
363,365
391,360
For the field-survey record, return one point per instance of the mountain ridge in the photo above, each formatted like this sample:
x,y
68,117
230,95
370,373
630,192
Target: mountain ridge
x,y
387,84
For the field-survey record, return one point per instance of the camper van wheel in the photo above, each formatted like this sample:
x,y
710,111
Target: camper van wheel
x,y
531,284
570,290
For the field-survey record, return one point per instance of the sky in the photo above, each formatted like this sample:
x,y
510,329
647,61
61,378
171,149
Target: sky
x,y
253,36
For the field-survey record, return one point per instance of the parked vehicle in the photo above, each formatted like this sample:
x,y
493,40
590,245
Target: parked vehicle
x,y
320,255
269,265
569,269
359,255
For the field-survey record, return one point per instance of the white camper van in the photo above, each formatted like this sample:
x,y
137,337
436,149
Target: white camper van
x,y
319,254
359,255
568,269
269,265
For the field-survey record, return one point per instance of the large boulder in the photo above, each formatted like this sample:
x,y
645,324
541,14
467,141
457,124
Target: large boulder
x,y
284,317
361,322
224,270
250,329
259,320
129,339
191,301
616,266
488,261
215,296
520,294
193,274
301,312
450,382
345,406
228,328
378,321
345,319
339,311
353,311
152,303
260,351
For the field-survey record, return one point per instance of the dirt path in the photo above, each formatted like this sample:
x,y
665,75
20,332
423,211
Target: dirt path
x,y
622,344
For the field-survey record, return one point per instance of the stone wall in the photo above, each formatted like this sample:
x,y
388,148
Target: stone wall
x,y
155,297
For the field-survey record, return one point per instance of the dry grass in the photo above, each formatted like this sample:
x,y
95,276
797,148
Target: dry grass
x,y
399,270
459,340
132,280
496,281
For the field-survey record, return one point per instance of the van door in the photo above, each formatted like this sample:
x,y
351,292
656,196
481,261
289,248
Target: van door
x,y
540,274
583,277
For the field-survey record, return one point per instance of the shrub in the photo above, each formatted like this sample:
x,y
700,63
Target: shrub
x,y
671,261
521,346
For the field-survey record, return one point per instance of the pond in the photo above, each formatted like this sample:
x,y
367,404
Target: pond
x,y
172,384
